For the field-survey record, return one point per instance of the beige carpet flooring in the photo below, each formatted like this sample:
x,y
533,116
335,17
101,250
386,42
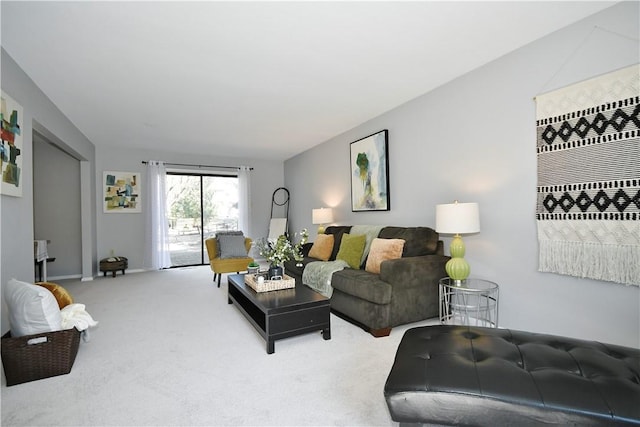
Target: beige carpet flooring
x,y
170,351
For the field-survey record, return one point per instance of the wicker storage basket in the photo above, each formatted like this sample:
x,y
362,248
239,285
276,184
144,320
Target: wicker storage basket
x,y
33,357
269,285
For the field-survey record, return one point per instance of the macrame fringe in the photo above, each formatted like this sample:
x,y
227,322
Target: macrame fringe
x,y
620,264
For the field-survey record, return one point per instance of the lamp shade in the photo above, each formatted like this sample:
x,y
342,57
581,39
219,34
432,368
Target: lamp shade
x,y
457,218
322,216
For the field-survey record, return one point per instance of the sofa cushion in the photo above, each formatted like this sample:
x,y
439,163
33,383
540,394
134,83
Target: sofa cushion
x,y
351,249
382,250
419,241
322,247
362,284
337,231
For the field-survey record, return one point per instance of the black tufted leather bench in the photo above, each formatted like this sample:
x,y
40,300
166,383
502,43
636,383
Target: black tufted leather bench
x,y
460,375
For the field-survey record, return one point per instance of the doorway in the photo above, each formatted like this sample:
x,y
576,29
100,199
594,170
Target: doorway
x,y
56,207
198,206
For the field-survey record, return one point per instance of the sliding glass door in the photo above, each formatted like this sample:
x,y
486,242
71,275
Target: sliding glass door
x,y
198,205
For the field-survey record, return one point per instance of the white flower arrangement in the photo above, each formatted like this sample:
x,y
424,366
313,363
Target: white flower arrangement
x,y
282,250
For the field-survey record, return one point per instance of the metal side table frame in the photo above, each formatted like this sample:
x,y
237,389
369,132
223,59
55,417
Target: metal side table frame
x,y
471,302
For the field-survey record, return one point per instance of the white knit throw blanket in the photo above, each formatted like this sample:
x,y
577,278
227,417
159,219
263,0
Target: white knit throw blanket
x,y
588,193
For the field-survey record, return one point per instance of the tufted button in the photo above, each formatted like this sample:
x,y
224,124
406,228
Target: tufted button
x,y
470,335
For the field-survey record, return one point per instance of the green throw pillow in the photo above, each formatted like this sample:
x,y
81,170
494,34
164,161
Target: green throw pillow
x,y
351,249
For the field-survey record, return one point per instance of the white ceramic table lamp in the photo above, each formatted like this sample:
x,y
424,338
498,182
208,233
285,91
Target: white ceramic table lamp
x,y
321,216
457,218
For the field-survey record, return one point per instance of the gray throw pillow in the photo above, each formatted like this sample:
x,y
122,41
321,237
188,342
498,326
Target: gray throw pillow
x,y
226,233
229,233
232,246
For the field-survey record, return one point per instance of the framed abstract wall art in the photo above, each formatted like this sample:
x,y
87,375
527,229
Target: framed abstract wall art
x,y
369,170
11,148
121,192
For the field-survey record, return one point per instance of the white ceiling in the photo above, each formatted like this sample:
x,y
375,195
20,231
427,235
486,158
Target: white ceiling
x,y
256,79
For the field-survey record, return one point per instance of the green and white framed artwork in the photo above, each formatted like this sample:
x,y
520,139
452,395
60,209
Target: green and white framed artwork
x,y
369,170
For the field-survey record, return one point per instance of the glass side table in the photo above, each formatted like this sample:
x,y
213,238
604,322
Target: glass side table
x,y
471,302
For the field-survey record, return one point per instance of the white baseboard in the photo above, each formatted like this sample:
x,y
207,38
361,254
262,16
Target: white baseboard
x,y
65,277
119,272
89,278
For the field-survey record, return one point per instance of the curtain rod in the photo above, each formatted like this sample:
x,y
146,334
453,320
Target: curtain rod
x,y
198,166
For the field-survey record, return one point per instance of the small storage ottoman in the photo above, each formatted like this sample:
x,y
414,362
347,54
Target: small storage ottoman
x,y
114,264
38,356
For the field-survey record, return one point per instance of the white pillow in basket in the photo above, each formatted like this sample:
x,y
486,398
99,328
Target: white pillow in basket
x,y
32,309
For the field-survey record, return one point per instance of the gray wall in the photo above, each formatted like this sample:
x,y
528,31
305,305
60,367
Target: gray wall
x,y
40,114
473,139
124,233
56,207
98,232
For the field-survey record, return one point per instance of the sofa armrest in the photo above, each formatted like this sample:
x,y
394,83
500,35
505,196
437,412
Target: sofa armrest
x,y
410,272
306,248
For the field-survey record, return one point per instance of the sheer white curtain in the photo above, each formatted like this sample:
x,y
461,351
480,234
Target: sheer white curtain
x,y
156,246
244,198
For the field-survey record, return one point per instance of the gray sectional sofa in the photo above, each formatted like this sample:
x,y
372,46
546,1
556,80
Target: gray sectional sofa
x,y
405,290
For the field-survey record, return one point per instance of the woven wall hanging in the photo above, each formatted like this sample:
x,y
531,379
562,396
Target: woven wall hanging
x,y
588,190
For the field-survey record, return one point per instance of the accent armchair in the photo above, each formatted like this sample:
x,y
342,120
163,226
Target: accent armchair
x,y
220,265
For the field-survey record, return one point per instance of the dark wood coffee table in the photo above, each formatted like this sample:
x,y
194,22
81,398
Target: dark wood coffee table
x,y
281,314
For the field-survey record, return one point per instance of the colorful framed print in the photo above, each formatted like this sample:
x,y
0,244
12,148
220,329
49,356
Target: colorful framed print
x,y
121,192
11,149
